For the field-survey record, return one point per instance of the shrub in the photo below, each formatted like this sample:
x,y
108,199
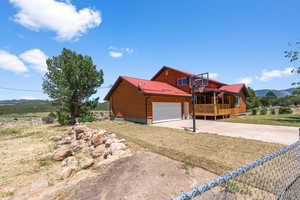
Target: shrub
x,y
231,186
285,110
52,115
87,117
273,111
48,120
263,111
63,118
254,111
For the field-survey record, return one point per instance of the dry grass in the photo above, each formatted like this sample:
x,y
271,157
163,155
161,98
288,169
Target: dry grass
x,y
19,147
277,120
215,153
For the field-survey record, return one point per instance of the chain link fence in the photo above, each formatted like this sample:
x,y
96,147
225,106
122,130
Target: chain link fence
x,y
273,177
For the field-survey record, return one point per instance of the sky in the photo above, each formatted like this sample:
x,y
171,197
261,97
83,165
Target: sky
x,y
235,41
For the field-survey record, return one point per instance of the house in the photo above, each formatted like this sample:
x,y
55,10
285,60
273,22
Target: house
x,y
167,96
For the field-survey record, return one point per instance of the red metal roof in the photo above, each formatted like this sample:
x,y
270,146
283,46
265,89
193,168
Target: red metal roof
x,y
155,87
186,73
235,88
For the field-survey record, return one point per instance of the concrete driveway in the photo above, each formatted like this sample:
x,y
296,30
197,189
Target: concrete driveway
x,y
266,133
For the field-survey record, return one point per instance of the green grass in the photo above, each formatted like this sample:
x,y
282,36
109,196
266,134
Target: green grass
x,y
278,120
213,152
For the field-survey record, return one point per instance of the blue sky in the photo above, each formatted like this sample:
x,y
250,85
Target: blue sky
x,y
236,41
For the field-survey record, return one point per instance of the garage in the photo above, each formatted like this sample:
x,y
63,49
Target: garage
x,y
166,111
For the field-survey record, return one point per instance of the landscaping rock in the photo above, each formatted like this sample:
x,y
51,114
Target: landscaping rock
x,y
56,138
66,172
62,152
98,139
44,157
107,152
70,162
87,164
98,151
117,146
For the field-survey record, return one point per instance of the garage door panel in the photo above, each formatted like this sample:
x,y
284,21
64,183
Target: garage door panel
x,y
163,111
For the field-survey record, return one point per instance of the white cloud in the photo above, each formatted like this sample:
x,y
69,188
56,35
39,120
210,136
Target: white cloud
x,y
119,52
268,75
115,54
213,75
11,62
246,80
60,17
36,59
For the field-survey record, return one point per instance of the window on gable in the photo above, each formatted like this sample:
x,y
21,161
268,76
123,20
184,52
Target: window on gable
x,y
182,81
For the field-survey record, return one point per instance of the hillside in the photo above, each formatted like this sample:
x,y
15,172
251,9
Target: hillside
x,y
32,106
278,93
22,101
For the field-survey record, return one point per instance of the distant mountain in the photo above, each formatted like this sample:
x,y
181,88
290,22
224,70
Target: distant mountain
x,y
278,93
22,101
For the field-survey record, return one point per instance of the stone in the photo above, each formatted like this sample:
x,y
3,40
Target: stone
x,y
117,146
98,151
62,152
40,184
79,129
66,172
71,162
56,138
87,164
44,157
76,146
66,140
98,139
107,152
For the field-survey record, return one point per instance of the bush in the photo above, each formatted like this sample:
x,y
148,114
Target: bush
x,y
254,111
285,110
263,111
48,120
273,111
87,117
63,118
52,115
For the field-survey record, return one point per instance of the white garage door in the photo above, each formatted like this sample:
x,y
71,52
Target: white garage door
x,y
163,111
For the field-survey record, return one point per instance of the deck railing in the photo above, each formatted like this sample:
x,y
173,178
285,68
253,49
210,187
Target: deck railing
x,y
214,109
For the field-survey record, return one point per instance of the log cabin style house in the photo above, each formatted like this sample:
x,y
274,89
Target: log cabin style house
x,y
167,96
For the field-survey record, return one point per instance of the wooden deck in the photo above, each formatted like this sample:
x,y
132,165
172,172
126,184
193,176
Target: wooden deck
x,y
214,110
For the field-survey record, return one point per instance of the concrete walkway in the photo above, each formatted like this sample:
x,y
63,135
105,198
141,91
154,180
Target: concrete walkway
x,y
266,133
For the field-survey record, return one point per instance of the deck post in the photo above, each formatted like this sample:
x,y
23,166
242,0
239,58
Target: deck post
x,y
215,106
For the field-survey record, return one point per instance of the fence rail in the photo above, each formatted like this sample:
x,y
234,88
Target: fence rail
x,y
274,176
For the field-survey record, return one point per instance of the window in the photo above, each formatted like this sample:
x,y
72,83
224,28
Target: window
x,y
237,101
182,81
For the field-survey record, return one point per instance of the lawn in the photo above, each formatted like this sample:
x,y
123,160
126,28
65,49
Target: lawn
x,y
278,120
215,153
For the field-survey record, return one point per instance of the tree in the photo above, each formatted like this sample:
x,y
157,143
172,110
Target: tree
x,y
252,101
293,56
271,95
70,82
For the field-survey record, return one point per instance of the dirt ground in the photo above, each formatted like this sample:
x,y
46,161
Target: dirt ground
x,y
144,176
138,175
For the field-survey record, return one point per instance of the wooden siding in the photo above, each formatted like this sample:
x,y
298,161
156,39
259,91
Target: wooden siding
x,y
171,76
128,102
150,99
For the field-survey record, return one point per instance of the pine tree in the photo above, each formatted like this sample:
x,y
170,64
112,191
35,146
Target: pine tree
x,y
70,82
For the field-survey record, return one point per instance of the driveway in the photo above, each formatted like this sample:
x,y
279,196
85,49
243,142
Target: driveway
x,y
266,133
